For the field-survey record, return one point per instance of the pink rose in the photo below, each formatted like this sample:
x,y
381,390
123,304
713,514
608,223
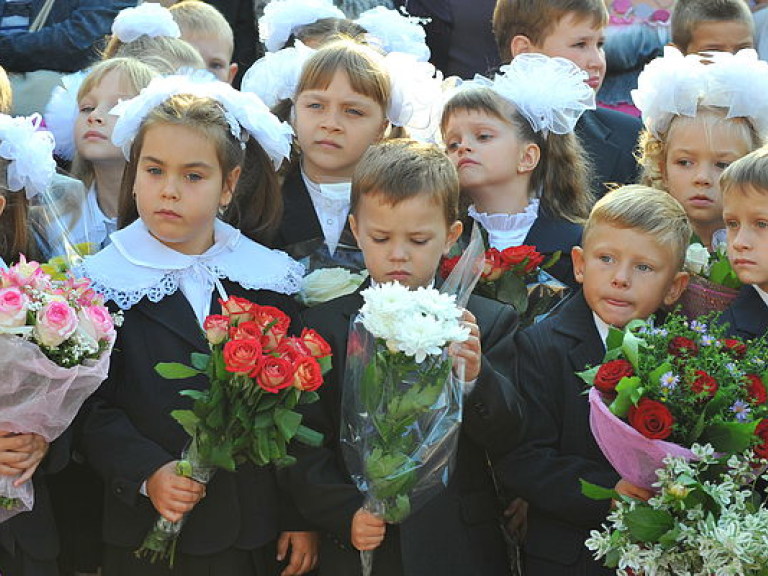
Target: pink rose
x,y
13,307
216,328
100,321
56,322
26,274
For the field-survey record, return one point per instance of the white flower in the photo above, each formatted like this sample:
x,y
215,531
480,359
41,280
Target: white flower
x,y
696,258
328,283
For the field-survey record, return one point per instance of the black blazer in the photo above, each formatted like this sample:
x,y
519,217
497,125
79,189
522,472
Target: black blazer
x,y
610,138
747,316
457,532
558,447
128,433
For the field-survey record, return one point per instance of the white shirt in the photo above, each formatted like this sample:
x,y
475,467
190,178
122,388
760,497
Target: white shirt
x,y
505,230
331,203
762,293
93,226
602,327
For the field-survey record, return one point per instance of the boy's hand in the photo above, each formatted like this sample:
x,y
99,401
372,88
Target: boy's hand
x,y
21,454
469,350
173,495
629,489
304,548
367,530
516,516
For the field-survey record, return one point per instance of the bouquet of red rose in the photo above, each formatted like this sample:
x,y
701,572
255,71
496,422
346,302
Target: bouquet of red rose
x,y
516,276
55,342
662,388
258,375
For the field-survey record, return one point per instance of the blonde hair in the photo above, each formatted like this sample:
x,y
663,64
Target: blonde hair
x,y
535,19
652,150
134,75
402,168
749,172
256,207
688,14
643,209
563,171
196,17
164,54
6,93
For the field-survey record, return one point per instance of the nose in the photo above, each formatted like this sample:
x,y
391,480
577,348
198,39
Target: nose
x,y
621,277
96,116
595,60
740,240
330,120
170,190
704,175
398,252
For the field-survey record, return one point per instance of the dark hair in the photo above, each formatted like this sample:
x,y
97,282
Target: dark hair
x,y
688,14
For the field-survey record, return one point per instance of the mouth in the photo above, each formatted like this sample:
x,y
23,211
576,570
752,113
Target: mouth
x,y
617,303
94,135
701,201
743,262
466,162
399,275
328,144
593,82
168,214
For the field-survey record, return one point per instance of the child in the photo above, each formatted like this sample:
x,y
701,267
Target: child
x,y
209,32
527,178
698,119
629,265
745,210
712,26
98,162
166,269
404,216
574,30
29,542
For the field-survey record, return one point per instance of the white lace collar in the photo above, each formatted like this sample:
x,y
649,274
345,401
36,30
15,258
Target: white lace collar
x,y
505,230
136,265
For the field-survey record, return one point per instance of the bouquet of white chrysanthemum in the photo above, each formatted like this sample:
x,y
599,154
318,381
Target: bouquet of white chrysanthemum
x,y
706,519
401,408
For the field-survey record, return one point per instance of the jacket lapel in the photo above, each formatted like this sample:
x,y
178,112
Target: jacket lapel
x,y
176,315
299,219
578,323
750,313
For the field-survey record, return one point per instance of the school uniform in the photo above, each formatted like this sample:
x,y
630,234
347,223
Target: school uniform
x,y
457,532
609,139
128,432
558,448
747,316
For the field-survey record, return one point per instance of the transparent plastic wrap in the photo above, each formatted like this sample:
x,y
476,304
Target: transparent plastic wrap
x,y
315,254
545,294
39,397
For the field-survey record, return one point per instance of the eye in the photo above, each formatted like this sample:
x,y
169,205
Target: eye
x,y
732,224
645,267
452,146
378,239
605,258
154,171
355,112
763,224
722,165
684,162
580,45
419,241
313,105
216,66
194,177
484,137
86,109
600,44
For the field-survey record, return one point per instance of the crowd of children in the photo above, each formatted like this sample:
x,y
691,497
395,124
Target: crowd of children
x,y
187,191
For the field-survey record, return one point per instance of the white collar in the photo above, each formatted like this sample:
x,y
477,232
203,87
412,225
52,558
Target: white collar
x,y
136,265
505,230
602,327
762,293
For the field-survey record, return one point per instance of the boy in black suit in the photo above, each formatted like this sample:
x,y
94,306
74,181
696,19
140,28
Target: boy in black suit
x,y
629,264
574,30
404,212
744,185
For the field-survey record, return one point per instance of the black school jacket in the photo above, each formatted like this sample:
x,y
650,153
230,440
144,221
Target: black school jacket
x,y
128,433
457,532
747,316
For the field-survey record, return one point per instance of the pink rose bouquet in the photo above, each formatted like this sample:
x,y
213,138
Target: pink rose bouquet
x,y
55,342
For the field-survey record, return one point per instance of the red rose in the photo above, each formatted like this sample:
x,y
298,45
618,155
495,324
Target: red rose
x,y
316,344
216,327
292,349
274,374
652,419
534,261
242,356
307,374
704,383
610,373
682,347
447,265
274,325
736,347
756,389
238,309
245,330
761,449
493,268
515,255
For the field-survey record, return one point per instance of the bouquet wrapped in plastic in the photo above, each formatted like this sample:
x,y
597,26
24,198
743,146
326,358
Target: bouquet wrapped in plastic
x,y
55,342
258,375
662,388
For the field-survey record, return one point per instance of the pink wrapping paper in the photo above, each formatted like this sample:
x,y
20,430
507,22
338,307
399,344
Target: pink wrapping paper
x,y
635,457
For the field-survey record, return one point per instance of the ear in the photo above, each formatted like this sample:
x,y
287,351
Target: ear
x,y
353,227
232,72
577,256
382,129
230,183
529,158
679,283
2,203
520,45
454,233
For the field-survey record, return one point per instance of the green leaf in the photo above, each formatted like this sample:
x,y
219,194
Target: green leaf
x,y
595,492
648,525
221,457
552,260
511,289
195,394
588,375
628,393
175,371
263,420
730,437
200,361
287,422
631,348
371,392
326,363
614,339
188,420
308,436
309,397
669,538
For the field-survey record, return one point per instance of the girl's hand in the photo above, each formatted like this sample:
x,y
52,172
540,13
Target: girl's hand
x,y
173,495
304,551
367,530
21,454
469,350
